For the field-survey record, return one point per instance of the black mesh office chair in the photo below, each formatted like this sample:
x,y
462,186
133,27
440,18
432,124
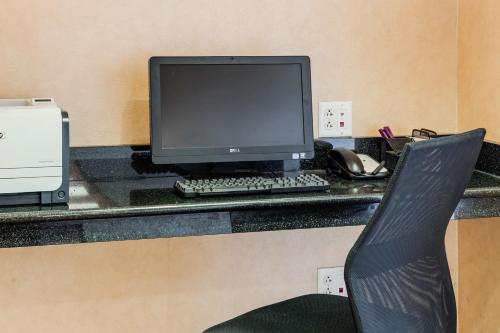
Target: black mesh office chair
x,y
397,273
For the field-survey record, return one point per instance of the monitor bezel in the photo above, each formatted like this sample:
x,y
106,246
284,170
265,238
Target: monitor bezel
x,y
161,155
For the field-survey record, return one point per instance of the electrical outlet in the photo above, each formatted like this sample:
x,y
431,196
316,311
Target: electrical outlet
x,y
335,119
331,281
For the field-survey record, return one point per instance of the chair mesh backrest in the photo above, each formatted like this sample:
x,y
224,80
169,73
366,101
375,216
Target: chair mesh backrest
x,y
397,273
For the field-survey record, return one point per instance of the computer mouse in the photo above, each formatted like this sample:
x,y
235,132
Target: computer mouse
x,y
346,161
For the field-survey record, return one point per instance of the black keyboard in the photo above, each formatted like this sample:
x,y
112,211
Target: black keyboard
x,y
250,185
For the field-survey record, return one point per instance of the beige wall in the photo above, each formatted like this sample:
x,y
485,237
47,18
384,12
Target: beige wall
x,y
479,275
479,106
395,59
178,285
479,66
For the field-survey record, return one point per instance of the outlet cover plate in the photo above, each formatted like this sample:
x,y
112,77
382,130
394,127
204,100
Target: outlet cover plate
x,y
335,119
331,281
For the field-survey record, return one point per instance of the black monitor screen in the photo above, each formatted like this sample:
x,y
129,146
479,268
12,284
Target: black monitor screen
x,y
231,105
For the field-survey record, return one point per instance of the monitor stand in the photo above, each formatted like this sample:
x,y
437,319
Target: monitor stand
x,y
291,168
287,168
143,165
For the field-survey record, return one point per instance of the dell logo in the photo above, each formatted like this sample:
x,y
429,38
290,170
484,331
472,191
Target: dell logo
x,y
234,150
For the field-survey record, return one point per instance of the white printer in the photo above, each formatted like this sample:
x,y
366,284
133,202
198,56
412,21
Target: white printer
x,y
34,152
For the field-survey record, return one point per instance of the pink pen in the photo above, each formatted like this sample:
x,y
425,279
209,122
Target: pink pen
x,y
389,132
383,134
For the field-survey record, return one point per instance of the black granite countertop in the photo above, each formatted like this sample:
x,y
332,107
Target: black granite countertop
x,y
121,197
115,194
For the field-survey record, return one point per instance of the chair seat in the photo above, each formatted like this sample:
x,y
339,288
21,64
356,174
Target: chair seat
x,y
305,314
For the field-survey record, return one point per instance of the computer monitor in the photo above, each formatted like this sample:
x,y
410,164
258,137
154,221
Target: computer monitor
x,y
230,109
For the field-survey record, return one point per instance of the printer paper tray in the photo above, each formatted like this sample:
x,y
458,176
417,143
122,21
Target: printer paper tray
x,y
22,180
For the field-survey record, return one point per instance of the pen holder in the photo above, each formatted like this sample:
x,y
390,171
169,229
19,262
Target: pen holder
x,y
397,144
392,149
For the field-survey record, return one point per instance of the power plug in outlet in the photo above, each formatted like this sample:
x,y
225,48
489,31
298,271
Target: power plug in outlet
x,y
331,281
335,119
